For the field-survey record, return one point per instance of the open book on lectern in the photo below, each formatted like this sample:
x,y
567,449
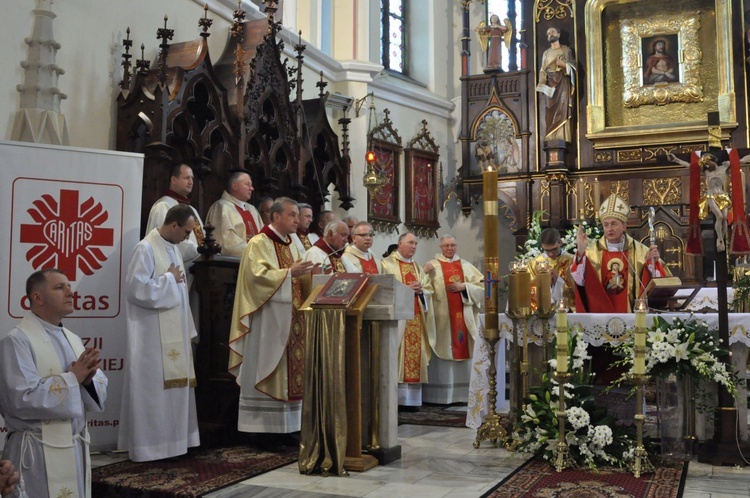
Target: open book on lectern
x,y
659,289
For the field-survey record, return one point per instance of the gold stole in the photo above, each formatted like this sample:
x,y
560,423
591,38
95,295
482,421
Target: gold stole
x,y
57,434
178,370
295,348
413,329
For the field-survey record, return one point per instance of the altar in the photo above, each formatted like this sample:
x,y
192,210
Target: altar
x,y
597,329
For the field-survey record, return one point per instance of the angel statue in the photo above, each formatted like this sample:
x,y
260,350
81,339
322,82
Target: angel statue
x,y
491,39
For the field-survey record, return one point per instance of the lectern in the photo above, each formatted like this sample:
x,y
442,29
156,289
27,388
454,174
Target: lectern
x,y
391,302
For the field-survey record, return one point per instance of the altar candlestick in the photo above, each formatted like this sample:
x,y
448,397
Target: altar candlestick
x,y
490,253
562,337
523,293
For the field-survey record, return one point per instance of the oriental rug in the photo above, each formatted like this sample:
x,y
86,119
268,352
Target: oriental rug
x,y
189,476
428,414
537,478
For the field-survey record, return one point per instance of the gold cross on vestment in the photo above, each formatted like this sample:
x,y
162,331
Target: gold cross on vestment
x,y
65,493
174,354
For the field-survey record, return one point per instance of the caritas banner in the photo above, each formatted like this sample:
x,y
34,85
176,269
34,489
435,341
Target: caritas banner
x,y
76,210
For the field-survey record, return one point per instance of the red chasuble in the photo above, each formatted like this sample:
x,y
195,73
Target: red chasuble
x,y
338,266
453,272
247,218
198,230
608,292
412,331
369,266
295,348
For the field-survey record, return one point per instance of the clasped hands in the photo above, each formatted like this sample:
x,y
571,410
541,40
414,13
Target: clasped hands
x,y
86,366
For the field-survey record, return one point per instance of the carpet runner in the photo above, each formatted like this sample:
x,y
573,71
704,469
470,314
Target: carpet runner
x,y
189,476
429,414
538,478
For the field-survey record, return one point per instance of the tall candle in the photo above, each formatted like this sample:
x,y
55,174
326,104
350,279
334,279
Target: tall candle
x,y
562,315
523,294
543,292
639,350
513,293
490,254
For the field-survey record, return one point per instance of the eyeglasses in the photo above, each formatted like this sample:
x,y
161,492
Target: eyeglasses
x,y
371,234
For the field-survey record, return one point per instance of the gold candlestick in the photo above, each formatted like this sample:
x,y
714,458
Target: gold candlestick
x,y
491,428
640,464
561,453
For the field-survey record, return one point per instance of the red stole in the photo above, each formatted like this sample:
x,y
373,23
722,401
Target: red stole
x,y
247,218
413,330
453,272
338,266
369,266
198,230
295,348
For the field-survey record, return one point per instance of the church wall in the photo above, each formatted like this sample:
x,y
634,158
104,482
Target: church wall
x,y
91,44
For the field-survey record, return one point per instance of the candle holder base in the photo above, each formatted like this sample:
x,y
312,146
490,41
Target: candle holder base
x,y
641,464
561,457
491,430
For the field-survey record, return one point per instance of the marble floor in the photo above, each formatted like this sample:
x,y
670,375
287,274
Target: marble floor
x,y
441,462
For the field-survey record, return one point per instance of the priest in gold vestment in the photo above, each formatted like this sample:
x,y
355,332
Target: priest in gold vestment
x,y
458,298
419,332
267,336
358,253
559,262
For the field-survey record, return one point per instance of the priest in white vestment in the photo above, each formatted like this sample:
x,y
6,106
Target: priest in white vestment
x,y
180,187
158,418
267,335
457,301
328,251
235,220
416,335
358,253
48,382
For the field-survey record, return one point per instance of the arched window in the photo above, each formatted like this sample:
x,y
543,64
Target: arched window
x,y
393,35
514,12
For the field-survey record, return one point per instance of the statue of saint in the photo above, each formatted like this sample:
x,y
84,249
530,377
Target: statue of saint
x,y
557,83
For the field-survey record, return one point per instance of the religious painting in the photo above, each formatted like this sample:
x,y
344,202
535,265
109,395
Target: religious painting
x,y
653,73
383,203
496,144
422,184
659,59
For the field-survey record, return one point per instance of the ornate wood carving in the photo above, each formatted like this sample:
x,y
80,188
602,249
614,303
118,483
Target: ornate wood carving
x,y
383,205
422,184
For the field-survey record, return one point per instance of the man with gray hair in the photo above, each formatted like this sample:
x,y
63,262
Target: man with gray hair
x,y
328,250
267,335
358,253
235,220
419,332
458,298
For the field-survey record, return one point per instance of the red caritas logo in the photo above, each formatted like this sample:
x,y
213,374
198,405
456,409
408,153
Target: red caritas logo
x,y
67,235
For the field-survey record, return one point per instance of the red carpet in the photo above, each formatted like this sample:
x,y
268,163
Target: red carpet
x,y
189,476
539,479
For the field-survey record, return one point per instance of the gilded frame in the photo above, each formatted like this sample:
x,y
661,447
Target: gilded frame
x,y
604,136
683,28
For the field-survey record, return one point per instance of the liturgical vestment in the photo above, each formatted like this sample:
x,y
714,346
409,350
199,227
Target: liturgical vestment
x,y
158,419
27,399
362,262
235,222
456,316
267,336
417,334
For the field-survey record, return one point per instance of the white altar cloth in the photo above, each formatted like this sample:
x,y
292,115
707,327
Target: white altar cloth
x,y
597,328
